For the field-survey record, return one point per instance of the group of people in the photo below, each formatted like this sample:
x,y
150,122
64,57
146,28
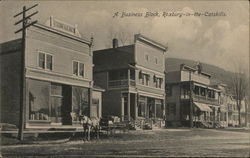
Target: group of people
x,y
89,124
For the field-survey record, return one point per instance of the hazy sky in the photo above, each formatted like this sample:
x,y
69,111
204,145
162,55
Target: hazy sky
x,y
218,40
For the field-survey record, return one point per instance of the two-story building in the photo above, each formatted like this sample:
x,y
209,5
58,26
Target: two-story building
x,y
233,112
133,77
189,94
58,79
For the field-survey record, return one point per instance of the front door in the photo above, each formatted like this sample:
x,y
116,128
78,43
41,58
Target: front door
x,y
56,109
56,103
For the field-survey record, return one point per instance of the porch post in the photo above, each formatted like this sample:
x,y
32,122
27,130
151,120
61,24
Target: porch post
x,y
122,107
128,77
128,106
147,108
136,112
227,118
154,108
90,100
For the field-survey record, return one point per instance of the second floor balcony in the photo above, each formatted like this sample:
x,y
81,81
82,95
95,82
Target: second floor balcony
x,y
205,99
121,83
121,78
201,94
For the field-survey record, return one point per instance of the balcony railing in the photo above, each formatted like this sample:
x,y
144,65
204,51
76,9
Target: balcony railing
x,y
121,83
205,99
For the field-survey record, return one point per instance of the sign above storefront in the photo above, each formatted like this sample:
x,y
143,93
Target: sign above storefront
x,y
63,26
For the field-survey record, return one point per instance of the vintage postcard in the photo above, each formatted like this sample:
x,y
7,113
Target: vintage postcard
x,y
124,78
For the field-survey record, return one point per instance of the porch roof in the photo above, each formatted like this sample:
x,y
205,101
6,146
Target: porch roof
x,y
203,107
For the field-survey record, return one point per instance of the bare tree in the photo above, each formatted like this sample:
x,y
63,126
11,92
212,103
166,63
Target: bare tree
x,y
246,108
239,87
124,36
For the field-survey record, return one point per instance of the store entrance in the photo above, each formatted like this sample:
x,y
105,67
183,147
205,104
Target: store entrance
x,y
60,104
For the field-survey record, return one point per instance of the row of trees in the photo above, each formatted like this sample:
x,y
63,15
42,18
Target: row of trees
x,y
240,89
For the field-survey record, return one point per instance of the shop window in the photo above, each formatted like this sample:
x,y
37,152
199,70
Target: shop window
x,y
142,107
45,61
78,68
80,100
95,107
159,108
39,100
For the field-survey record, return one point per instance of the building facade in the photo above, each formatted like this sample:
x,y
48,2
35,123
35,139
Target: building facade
x,y
191,97
133,77
58,77
233,112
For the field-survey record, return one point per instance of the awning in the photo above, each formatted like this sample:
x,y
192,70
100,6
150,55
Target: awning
x,y
203,107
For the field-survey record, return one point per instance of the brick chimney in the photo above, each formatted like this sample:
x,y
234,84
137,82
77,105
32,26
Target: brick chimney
x,y
115,43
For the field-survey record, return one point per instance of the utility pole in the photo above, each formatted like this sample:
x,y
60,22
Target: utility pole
x,y
25,25
190,100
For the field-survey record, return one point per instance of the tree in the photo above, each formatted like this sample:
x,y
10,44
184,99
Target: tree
x,y
246,108
240,87
123,35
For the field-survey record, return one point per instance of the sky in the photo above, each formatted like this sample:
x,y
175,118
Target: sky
x,y
218,40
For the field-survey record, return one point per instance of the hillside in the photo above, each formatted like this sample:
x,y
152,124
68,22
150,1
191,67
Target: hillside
x,y
219,75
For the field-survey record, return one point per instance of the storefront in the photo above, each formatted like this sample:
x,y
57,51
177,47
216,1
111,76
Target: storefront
x,y
56,104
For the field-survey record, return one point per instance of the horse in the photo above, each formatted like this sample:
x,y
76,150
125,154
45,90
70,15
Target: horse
x,y
86,124
89,124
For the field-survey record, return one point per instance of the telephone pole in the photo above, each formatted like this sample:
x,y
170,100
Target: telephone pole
x,y
25,25
191,100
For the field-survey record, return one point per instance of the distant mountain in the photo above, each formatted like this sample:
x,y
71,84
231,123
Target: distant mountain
x,y
219,75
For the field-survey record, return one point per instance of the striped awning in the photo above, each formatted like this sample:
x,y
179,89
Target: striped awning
x,y
203,107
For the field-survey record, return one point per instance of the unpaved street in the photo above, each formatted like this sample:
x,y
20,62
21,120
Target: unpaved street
x,y
165,142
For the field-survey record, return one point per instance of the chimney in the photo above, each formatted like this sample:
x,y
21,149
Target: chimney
x,y
115,43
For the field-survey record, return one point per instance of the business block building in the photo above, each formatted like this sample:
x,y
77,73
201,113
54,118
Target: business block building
x,y
58,78
133,77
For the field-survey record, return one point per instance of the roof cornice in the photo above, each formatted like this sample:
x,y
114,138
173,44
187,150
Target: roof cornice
x,y
150,41
47,28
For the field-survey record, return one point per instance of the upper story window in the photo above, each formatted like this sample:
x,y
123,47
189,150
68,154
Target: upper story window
x,y
156,60
45,61
146,57
158,82
144,78
78,68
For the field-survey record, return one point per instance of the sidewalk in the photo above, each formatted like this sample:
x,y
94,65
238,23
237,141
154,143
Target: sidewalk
x,y
236,129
